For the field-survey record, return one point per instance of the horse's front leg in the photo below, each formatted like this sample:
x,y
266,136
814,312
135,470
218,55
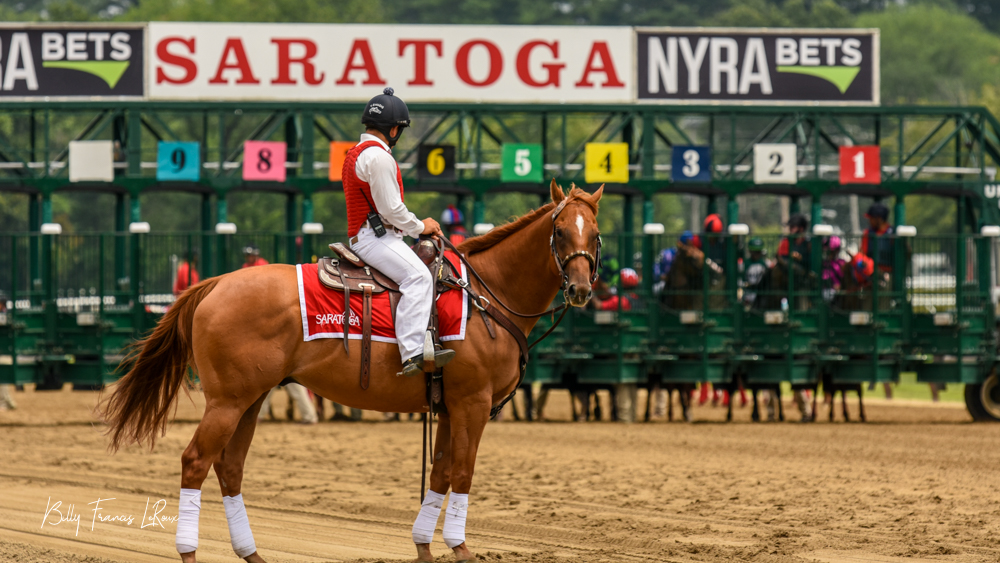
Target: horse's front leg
x,y
430,509
468,420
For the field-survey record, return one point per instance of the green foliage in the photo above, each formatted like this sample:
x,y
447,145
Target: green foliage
x,y
273,11
933,53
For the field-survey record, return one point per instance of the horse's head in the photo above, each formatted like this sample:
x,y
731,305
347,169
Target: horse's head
x,y
576,241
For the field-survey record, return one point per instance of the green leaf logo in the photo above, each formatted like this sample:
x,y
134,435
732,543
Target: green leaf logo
x,y
108,71
840,76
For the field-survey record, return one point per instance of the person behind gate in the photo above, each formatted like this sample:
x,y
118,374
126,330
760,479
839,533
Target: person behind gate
x,y
377,219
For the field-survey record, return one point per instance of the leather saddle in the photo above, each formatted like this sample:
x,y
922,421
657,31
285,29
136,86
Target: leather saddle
x,y
346,272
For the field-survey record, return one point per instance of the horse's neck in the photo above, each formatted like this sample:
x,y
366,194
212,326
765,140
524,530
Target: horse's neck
x,y
519,270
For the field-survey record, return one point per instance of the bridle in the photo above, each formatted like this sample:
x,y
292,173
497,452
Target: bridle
x,y
561,262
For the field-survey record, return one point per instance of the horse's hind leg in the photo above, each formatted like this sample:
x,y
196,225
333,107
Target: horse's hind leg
x,y
229,470
430,508
215,430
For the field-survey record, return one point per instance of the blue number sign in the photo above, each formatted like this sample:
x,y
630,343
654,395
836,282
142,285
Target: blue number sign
x,y
178,161
691,164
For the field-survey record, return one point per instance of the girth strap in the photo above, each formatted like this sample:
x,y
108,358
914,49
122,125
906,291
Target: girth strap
x,y
366,336
347,312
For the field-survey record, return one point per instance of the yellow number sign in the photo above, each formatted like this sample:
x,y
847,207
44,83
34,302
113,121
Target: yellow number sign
x,y
606,162
435,161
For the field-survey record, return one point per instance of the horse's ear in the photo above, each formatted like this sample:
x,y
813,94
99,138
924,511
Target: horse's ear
x,y
557,192
595,197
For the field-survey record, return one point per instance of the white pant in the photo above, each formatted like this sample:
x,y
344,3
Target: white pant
x,y
392,257
298,394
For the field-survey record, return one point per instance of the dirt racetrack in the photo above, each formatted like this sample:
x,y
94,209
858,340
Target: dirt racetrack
x,y
915,484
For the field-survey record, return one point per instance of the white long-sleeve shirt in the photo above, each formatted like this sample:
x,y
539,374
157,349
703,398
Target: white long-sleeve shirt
x,y
378,168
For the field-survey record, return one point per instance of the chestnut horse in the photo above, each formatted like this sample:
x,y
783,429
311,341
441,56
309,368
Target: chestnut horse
x,y
242,334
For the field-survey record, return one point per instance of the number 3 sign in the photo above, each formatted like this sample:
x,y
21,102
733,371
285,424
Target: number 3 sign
x,y
775,163
691,164
264,161
860,165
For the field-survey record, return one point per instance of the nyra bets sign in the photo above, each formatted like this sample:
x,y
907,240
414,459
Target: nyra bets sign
x,y
333,62
758,66
71,61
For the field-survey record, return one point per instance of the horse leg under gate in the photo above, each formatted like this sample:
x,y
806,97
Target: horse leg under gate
x,y
217,427
229,470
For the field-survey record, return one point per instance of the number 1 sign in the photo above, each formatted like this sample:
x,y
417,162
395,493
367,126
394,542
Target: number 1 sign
x,y
264,161
178,161
860,165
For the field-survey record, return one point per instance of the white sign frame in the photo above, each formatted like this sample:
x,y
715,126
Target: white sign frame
x,y
91,161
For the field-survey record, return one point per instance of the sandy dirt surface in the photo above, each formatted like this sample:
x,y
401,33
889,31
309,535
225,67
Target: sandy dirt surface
x,y
913,485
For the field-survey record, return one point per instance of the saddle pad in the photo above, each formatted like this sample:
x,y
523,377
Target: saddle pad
x,y
322,309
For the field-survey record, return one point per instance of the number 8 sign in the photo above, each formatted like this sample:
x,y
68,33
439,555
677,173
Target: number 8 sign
x,y
691,164
264,161
860,165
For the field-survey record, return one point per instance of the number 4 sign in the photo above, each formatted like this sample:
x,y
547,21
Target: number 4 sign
x,y
860,165
521,163
606,162
264,161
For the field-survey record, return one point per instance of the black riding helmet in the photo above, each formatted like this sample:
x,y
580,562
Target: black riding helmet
x,y
384,112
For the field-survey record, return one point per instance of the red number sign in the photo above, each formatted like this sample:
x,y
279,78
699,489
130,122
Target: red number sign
x,y
860,165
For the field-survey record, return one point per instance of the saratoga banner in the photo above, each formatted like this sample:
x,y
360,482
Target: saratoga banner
x,y
758,66
70,61
431,63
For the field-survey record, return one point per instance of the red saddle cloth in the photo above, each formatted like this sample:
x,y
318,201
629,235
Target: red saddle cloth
x,y
323,309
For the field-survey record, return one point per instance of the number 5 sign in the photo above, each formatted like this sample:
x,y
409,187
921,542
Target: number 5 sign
x,y
860,165
606,162
691,164
775,163
521,163
264,161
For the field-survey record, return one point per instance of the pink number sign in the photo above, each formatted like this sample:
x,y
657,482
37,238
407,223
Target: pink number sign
x,y
264,161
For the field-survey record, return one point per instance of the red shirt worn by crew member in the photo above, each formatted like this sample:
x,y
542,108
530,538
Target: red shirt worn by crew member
x,y
258,261
183,280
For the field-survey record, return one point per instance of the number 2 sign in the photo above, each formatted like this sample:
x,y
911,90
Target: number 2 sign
x,y
264,161
178,161
521,163
860,165
606,162
775,163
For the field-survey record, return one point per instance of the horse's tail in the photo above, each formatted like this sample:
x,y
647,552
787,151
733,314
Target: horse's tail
x,y
140,404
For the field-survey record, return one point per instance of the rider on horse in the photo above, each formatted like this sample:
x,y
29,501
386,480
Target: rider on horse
x,y
377,220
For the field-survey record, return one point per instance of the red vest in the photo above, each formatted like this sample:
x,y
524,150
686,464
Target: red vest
x,y
357,207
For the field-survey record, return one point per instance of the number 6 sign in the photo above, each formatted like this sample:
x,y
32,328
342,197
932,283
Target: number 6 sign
x,y
860,165
775,163
264,161
521,163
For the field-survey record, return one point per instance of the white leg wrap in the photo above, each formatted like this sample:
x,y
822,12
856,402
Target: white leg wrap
x,y
187,520
430,510
454,520
239,526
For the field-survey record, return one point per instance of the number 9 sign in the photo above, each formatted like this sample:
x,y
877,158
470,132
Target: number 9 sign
x,y
521,163
178,161
264,161
691,164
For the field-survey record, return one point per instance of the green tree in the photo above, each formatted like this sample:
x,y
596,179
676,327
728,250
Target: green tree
x,y
310,11
935,54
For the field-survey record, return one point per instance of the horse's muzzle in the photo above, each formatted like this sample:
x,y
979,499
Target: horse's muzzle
x,y
575,297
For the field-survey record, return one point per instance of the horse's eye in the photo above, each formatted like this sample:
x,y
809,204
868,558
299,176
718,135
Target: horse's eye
x,y
558,233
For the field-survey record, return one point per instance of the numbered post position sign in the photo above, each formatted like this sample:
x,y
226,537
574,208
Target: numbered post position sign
x,y
775,163
691,164
521,163
338,152
264,161
860,165
91,161
436,162
178,161
606,162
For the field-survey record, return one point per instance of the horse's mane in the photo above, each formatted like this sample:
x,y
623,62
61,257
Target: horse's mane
x,y
492,238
